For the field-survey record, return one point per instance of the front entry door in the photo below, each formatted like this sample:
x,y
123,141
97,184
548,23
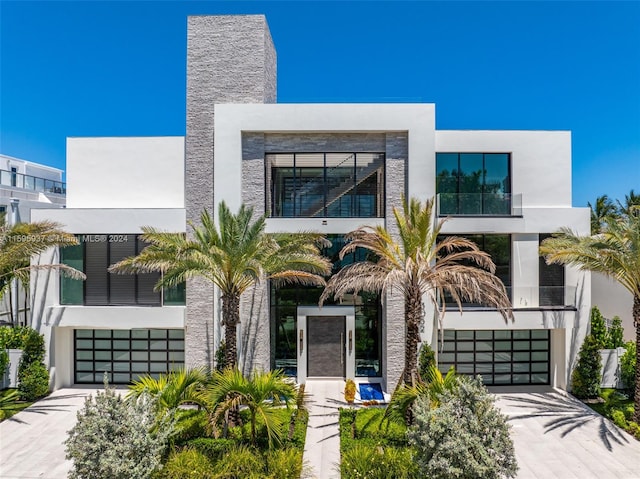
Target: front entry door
x,y
325,346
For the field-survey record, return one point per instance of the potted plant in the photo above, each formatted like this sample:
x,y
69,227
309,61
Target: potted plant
x,y
350,391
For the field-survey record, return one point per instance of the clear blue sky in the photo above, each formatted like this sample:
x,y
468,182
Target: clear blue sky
x,y
98,68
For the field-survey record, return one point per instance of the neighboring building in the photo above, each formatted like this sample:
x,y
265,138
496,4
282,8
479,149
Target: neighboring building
x,y
613,299
25,186
322,167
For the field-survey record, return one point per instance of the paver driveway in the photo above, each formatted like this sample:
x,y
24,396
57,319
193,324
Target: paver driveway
x,y
556,436
31,441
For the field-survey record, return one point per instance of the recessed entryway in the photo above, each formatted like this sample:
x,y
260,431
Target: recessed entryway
x,y
325,342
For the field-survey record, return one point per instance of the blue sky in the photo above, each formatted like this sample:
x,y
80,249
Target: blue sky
x,y
95,68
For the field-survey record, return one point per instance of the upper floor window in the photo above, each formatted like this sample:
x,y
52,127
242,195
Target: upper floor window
x,y
334,185
474,184
93,256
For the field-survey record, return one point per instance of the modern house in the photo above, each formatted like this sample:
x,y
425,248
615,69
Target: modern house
x,y
24,186
321,167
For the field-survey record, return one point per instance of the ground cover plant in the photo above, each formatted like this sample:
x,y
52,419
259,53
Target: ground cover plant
x,y
618,406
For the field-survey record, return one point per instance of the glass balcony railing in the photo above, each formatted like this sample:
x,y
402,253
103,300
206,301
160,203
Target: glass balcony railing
x,y
479,204
33,183
532,297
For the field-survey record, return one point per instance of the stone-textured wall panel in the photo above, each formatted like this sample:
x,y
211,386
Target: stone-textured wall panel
x,y
324,142
230,59
255,336
394,327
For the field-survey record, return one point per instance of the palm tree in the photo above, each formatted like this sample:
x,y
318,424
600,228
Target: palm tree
x,y
20,242
603,208
233,257
419,264
615,253
172,389
631,204
262,393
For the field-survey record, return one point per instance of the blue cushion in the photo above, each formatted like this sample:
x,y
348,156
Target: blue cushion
x,y
371,391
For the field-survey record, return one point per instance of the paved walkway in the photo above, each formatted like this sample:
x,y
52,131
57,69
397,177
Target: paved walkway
x,y
322,445
558,437
31,441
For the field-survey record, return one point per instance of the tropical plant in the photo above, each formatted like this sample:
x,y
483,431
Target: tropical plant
x,y
188,463
587,375
20,242
367,462
262,393
464,437
418,263
599,328
171,389
615,253
114,438
431,387
234,256
9,403
426,359
616,334
350,391
628,364
603,208
631,205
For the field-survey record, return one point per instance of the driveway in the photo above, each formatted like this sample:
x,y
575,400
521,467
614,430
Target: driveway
x,y
556,436
31,441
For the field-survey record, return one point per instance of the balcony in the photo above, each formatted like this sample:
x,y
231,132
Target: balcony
x,y
32,183
531,298
479,204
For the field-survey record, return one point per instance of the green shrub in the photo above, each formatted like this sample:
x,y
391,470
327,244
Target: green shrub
x,y
426,359
32,347
22,337
377,462
33,381
599,328
628,366
188,463
284,463
616,334
114,438
618,418
586,376
466,437
4,362
240,462
190,424
214,449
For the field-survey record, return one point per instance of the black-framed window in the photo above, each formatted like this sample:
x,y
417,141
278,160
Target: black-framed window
x,y
473,184
124,355
333,185
551,281
499,248
93,256
499,356
368,313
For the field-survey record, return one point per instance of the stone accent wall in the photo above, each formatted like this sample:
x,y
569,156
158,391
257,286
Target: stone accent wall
x,y
324,142
230,59
393,337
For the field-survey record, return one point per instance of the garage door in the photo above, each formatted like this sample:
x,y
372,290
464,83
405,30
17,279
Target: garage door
x,y
500,357
126,354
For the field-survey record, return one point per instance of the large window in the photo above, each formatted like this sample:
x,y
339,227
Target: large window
x,y
473,184
335,185
551,282
286,299
500,356
499,248
93,256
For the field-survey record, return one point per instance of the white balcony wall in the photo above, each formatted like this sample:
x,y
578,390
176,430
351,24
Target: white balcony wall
x,y
125,172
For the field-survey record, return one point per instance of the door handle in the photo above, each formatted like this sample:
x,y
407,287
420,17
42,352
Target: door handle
x,y
350,341
301,340
341,349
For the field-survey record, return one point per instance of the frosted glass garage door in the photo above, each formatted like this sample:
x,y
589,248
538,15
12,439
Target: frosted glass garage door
x,y
501,357
126,354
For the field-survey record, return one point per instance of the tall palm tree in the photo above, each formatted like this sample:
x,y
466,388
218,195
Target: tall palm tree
x,y
22,241
262,393
615,253
233,256
604,208
419,264
631,204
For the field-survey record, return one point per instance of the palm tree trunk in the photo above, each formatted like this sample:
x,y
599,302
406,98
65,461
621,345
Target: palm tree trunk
x,y
636,322
230,319
413,315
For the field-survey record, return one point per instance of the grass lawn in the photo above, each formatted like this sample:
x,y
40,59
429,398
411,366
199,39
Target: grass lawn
x,y
10,407
619,408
